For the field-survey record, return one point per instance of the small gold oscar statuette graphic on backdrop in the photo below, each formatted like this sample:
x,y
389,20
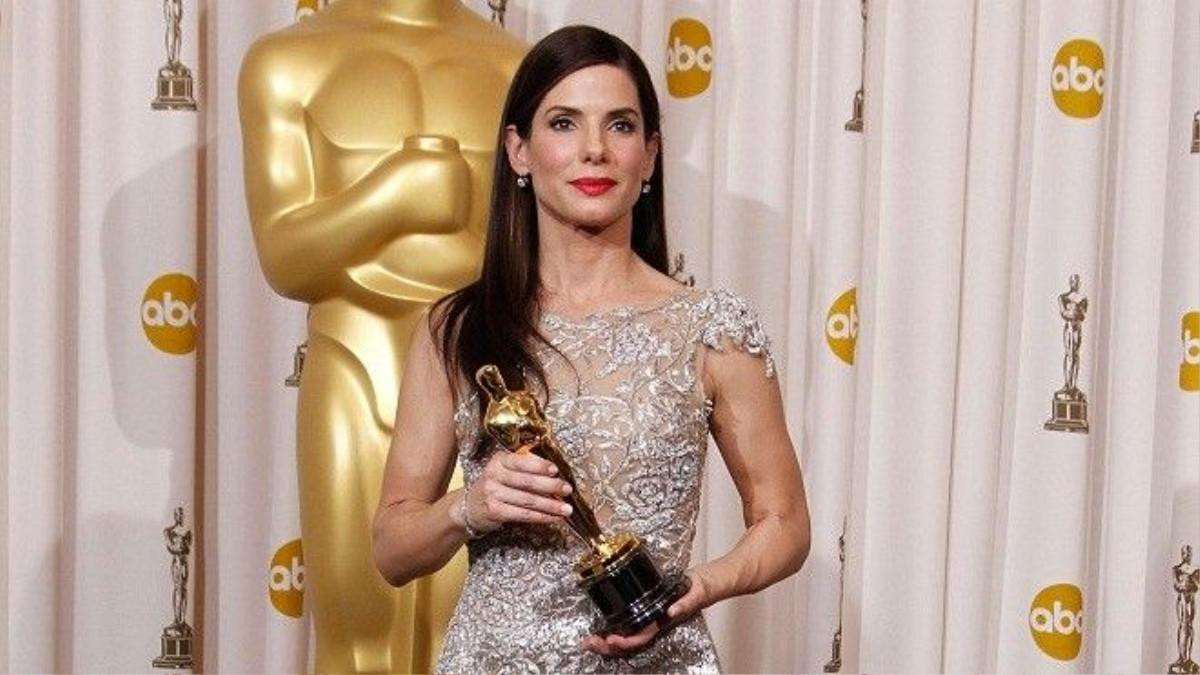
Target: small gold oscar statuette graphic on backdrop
x,y
834,664
177,636
174,78
1068,409
616,572
855,123
1187,581
293,380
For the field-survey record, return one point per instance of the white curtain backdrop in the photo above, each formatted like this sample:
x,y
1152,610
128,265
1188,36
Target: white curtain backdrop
x,y
909,275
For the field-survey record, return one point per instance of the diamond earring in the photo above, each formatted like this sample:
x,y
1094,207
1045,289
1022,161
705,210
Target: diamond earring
x,y
522,181
646,188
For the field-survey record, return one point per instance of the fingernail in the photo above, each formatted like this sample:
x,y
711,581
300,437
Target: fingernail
x,y
566,509
552,470
566,488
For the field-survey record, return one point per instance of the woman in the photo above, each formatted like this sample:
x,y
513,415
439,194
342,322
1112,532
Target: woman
x,y
634,370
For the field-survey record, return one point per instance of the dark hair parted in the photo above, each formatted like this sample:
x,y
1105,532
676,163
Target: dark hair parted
x,y
493,319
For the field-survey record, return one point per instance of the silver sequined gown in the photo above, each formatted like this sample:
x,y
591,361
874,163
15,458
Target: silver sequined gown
x,y
634,426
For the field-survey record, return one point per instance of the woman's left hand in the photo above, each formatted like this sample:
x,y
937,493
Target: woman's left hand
x,y
696,599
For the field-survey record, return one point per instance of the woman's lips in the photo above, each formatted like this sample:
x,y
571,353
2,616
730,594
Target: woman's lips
x,y
593,186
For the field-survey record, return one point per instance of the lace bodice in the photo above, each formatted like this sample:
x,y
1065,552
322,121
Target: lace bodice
x,y
627,406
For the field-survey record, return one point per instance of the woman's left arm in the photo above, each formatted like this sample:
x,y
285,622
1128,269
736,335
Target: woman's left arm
x,y
748,425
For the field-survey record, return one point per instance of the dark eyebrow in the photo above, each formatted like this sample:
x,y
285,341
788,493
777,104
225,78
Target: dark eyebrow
x,y
567,110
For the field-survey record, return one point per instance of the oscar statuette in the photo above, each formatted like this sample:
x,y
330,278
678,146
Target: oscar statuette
x,y
175,83
616,572
1186,581
1069,407
178,636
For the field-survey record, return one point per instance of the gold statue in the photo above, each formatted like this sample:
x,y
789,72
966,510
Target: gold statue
x,y
616,572
369,132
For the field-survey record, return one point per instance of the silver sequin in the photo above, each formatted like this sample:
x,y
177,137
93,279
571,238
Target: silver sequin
x,y
634,425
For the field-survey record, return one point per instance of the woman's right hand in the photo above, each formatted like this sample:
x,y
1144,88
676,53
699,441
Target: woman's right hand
x,y
516,487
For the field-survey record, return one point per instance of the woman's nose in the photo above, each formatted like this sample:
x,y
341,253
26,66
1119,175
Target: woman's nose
x,y
594,149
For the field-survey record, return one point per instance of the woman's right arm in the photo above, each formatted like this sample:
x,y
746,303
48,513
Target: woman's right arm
x,y
418,526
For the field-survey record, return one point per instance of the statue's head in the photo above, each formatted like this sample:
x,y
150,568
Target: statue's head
x,y
1186,553
1074,281
513,418
178,515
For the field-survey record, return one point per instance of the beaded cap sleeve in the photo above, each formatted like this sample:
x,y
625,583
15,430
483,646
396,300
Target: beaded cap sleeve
x,y
627,407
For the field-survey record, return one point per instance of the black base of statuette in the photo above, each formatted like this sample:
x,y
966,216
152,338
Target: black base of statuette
x,y
631,593
1067,415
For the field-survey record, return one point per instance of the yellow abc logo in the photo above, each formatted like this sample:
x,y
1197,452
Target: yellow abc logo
x,y
169,313
1056,621
841,326
1077,78
689,58
1189,369
285,581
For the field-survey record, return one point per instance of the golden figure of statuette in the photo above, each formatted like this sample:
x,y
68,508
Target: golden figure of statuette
x,y
616,572
369,139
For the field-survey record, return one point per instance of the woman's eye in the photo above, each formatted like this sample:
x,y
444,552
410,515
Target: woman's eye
x,y
560,123
624,126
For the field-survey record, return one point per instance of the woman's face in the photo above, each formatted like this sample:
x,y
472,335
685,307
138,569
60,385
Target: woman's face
x,y
586,154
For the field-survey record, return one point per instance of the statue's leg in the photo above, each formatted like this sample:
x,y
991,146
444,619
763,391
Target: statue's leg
x,y
1066,362
1181,629
361,623
1189,633
1076,341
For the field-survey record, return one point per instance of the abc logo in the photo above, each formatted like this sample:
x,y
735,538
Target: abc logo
x,y
169,313
1077,79
285,581
1056,621
841,326
689,58
1189,370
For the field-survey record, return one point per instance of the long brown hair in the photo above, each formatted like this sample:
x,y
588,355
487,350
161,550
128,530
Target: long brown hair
x,y
492,320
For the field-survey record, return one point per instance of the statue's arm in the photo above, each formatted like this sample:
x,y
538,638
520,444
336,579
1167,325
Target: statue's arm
x,y
304,240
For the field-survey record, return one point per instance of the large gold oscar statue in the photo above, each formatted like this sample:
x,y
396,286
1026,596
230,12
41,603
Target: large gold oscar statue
x,y
369,132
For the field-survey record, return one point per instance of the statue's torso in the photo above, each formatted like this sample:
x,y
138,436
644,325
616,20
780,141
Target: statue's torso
x,y
364,85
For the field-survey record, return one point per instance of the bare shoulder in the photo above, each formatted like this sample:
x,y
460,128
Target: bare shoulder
x,y
655,284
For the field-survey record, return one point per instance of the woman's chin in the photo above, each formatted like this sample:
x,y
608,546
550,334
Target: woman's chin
x,y
598,218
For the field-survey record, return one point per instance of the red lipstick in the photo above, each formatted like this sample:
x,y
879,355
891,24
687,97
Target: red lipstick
x,y
593,186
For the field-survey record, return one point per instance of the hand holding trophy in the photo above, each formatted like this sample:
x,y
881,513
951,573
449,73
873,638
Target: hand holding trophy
x,y
616,572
